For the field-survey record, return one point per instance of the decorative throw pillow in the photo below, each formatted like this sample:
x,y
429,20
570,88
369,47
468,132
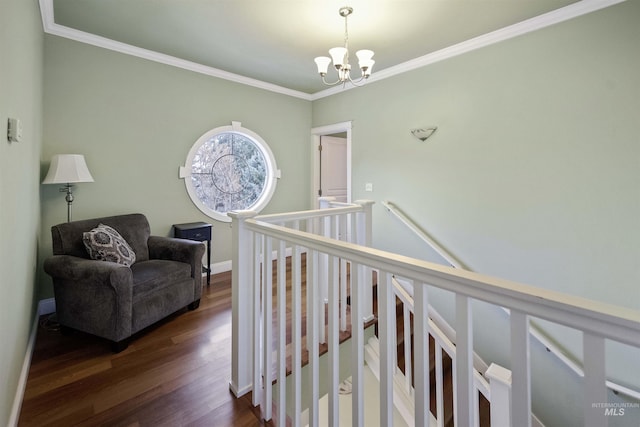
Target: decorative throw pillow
x,y
106,244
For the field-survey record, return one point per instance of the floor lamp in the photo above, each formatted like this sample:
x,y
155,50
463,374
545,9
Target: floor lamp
x,y
68,169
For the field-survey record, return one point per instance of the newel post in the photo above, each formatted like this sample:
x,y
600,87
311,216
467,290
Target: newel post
x,y
365,222
242,316
364,233
324,202
500,392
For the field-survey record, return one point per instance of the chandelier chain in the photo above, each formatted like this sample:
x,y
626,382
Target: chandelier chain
x,y
346,35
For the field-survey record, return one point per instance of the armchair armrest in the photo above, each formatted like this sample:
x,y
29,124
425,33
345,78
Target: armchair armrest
x,y
92,296
187,251
88,271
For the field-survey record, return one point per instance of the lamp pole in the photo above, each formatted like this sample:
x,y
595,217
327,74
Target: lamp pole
x,y
69,198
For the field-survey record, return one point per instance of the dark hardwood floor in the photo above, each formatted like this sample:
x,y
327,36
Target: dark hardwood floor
x,y
175,373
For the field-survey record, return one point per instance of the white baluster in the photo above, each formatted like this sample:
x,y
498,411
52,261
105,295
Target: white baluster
x,y
281,295
520,370
296,332
357,336
343,295
258,338
387,332
267,323
500,392
313,341
408,375
439,386
464,361
595,391
323,260
364,237
421,324
334,343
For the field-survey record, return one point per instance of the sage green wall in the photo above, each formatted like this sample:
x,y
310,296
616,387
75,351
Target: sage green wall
x,y
21,50
533,174
136,120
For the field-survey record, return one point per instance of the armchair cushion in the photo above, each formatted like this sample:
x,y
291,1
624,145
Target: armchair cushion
x,y
155,274
104,243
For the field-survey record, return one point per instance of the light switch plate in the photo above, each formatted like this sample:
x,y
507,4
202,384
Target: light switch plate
x,y
14,130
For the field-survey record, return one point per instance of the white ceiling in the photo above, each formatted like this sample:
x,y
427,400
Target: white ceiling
x,y
272,43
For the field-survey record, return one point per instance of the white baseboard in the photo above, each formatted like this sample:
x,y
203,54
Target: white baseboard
x,y
24,372
224,266
221,267
46,306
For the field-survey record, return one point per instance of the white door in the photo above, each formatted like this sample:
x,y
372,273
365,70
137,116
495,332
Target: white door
x,y
333,167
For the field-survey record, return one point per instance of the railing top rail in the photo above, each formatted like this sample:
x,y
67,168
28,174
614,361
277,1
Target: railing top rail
x,y
315,213
453,261
395,210
594,317
340,204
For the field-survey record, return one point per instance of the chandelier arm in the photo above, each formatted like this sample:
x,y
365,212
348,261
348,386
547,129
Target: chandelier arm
x,y
330,84
355,82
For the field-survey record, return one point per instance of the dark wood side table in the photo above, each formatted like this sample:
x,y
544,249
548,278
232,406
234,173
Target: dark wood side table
x,y
200,231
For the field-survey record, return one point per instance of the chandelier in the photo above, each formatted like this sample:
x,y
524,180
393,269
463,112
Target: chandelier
x,y
340,58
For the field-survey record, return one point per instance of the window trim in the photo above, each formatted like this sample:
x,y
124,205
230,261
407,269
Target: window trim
x,y
273,173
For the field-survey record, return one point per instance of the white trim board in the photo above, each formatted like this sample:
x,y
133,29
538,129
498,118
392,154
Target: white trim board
x,y
316,133
50,27
44,307
554,17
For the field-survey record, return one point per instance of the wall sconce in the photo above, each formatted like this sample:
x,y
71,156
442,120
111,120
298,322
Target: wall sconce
x,y
423,133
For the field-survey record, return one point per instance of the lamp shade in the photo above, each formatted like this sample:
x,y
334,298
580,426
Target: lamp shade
x,y
323,64
66,168
338,55
365,55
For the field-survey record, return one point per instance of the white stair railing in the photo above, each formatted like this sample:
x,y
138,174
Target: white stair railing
x,y
254,349
423,235
404,292
253,277
533,330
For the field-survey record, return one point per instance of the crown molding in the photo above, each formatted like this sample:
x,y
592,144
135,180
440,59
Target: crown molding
x,y
542,21
50,27
551,18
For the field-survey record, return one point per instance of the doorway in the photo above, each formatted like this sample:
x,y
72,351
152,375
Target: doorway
x,y
331,162
333,167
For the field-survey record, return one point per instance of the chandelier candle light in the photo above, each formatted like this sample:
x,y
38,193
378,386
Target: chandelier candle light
x,y
340,57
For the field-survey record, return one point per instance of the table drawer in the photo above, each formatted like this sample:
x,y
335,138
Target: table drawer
x,y
193,232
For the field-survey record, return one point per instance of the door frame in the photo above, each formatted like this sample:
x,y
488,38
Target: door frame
x,y
316,133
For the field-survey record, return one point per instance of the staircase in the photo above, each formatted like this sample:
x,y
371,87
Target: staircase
x,y
260,321
441,390
441,401
371,397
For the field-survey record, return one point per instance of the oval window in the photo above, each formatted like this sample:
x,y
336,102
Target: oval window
x,y
229,168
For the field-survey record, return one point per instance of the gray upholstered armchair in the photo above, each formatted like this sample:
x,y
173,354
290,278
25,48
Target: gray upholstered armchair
x,y
113,300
